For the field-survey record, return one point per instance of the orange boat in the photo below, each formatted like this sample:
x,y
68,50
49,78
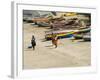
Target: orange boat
x,y
40,20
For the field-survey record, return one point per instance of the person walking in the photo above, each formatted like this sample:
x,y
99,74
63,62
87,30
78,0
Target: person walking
x,y
55,40
33,42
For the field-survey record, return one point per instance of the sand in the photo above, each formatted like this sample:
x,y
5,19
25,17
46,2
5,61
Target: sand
x,y
67,54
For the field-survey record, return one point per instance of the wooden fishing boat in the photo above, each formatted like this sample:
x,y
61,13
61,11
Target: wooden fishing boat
x,y
60,34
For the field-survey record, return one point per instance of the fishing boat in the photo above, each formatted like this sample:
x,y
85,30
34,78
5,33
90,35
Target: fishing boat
x,y
60,33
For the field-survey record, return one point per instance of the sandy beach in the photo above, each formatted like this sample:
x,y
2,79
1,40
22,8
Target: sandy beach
x,y
67,54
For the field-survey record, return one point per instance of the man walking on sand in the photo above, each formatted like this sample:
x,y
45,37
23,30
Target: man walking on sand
x,y
33,42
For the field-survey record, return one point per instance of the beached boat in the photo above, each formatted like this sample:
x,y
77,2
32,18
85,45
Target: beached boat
x,y
60,34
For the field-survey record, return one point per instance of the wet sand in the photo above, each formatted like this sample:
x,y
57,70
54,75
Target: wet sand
x,y
67,54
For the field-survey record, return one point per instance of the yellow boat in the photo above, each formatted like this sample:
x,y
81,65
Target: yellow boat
x,y
60,34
